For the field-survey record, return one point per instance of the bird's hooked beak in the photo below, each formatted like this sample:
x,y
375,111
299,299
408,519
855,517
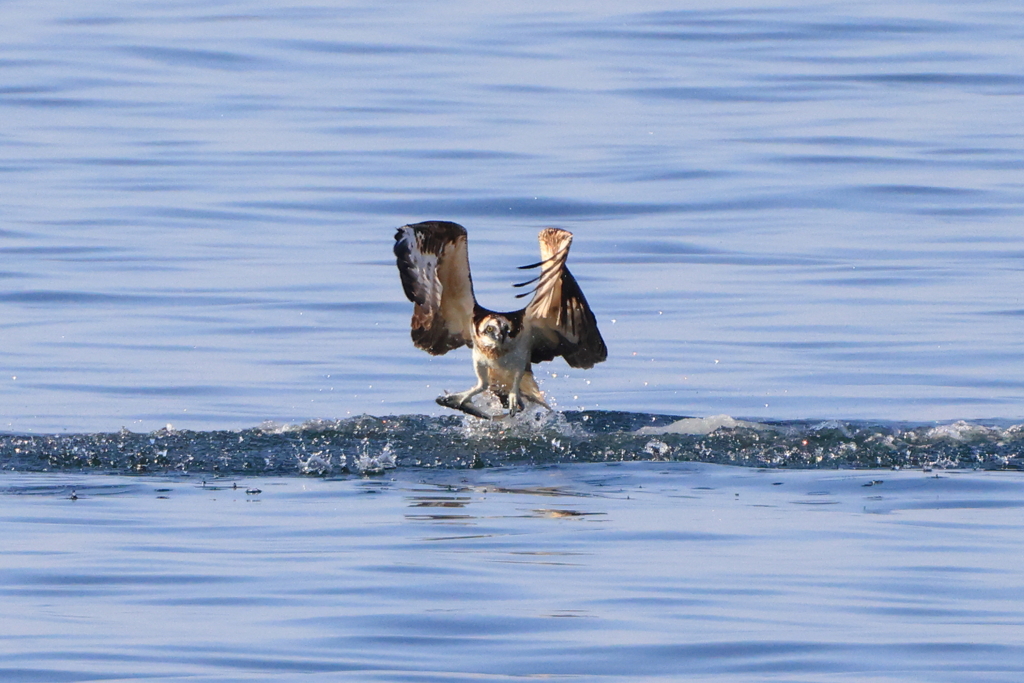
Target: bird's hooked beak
x,y
498,330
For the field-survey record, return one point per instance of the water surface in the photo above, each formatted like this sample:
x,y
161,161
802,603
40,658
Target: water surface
x,y
799,222
626,572
781,212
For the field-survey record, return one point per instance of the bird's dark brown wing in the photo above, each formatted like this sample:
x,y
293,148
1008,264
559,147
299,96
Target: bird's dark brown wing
x,y
434,266
561,319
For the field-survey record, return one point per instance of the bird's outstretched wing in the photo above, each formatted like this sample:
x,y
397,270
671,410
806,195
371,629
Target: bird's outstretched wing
x,y
434,265
561,319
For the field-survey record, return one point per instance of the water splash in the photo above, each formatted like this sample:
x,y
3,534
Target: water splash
x,y
372,445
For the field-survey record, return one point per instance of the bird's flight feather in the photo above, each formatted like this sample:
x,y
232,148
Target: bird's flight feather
x,y
563,324
434,267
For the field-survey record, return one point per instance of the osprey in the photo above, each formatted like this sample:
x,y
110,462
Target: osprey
x,y
434,266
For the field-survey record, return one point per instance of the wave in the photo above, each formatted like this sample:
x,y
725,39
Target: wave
x,y
369,444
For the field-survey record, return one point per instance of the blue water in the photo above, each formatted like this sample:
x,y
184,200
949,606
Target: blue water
x,y
627,572
801,221
781,212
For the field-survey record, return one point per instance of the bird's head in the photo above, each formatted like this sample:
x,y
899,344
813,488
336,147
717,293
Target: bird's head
x,y
494,331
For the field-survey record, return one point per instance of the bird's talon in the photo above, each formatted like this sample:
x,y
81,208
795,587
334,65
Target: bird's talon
x,y
514,405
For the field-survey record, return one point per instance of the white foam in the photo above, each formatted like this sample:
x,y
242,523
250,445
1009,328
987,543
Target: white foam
x,y
374,462
961,431
699,426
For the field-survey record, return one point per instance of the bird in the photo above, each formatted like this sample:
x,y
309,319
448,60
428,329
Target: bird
x,y
433,263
